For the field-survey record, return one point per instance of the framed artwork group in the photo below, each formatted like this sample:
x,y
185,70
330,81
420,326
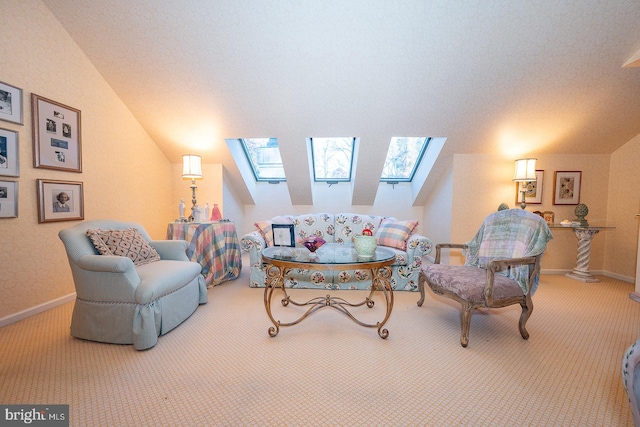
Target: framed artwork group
x,y
57,145
566,186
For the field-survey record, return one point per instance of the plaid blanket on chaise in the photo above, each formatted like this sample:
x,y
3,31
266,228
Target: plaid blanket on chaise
x,y
512,233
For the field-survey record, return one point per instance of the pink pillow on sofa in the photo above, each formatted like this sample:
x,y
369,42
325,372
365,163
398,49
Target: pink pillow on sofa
x,y
394,233
265,229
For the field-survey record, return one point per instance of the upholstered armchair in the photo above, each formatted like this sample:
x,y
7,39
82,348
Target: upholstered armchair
x,y
631,379
502,267
129,289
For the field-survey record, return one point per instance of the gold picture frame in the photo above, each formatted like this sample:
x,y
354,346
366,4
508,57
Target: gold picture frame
x,y
60,200
57,135
567,185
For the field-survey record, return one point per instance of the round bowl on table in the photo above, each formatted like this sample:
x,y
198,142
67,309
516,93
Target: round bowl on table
x,y
365,246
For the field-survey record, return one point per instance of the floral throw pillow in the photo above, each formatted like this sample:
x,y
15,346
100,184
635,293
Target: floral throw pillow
x,y
127,242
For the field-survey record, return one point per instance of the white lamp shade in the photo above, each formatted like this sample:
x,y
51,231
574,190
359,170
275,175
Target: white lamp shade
x,y
191,166
525,170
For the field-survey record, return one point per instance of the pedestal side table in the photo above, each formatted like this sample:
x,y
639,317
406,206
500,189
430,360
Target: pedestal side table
x,y
584,233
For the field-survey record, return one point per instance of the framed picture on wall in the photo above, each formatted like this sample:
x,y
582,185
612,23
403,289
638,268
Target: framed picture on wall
x,y
567,187
533,190
60,201
8,199
10,103
9,165
57,136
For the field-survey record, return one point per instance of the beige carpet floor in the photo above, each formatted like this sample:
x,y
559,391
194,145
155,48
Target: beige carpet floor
x,y
221,368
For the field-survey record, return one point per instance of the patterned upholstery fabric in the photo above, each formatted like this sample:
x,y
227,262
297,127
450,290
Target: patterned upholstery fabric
x,y
463,282
127,243
509,233
339,228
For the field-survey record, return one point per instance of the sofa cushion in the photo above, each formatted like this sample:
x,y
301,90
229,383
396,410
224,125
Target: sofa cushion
x,y
394,233
125,242
265,229
349,225
319,225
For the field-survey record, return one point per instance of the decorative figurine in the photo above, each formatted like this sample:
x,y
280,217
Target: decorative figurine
x,y
215,213
581,212
181,209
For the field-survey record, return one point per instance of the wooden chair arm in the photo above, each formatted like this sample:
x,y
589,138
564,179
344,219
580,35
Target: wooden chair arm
x,y
441,246
501,264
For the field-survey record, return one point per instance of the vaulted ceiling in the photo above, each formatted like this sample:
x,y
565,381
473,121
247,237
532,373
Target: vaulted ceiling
x,y
515,77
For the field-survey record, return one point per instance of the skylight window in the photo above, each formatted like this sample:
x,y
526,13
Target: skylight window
x,y
332,159
264,157
403,158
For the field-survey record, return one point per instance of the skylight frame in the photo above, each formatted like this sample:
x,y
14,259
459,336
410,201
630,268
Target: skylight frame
x,y
394,180
333,180
255,168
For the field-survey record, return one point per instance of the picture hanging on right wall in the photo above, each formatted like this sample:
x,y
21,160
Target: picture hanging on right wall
x,y
567,187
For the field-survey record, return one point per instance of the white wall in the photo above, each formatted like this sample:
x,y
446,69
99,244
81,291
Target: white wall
x,y
482,182
623,204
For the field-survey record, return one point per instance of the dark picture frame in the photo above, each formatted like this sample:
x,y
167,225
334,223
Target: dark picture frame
x,y
283,235
52,205
57,135
9,153
8,199
10,103
567,185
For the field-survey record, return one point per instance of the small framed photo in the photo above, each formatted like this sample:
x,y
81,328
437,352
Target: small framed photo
x,y
567,187
60,201
9,165
283,235
533,190
57,136
8,199
10,103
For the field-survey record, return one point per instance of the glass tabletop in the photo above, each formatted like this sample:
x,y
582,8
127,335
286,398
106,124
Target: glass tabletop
x,y
329,253
575,225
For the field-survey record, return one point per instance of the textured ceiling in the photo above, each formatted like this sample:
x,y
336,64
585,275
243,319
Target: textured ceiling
x,y
512,77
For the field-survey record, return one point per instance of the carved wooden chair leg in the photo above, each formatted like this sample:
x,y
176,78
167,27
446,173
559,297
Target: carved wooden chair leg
x,y
465,323
527,309
421,281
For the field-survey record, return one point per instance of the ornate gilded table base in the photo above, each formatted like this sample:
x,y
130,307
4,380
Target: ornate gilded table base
x,y
381,281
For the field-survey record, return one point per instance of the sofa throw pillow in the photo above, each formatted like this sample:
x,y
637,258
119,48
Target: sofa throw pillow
x,y
394,233
265,229
127,242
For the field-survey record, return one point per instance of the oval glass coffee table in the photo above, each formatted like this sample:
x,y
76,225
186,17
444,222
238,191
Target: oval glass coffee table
x,y
279,260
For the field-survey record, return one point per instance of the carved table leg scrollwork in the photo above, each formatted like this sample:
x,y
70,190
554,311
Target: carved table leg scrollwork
x,y
381,281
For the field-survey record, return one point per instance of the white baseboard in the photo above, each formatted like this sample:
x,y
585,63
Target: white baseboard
x,y
594,272
12,318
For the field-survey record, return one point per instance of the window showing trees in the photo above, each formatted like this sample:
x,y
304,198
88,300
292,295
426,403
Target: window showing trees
x,y
332,159
264,157
403,158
